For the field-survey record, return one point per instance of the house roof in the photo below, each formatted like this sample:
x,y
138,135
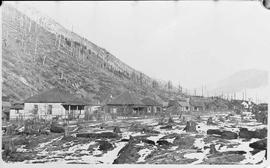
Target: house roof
x,y
183,103
178,103
196,103
55,95
17,106
126,98
107,99
150,102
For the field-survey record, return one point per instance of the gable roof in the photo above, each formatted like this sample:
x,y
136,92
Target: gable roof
x,y
150,102
125,98
55,95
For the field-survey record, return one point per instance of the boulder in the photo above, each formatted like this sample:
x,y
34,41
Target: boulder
x,y
57,128
229,135
190,126
259,145
116,130
105,145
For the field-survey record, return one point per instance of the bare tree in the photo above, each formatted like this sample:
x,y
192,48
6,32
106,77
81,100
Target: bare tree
x,y
30,25
36,44
44,59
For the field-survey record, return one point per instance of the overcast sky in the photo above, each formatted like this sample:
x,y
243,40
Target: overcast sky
x,y
191,43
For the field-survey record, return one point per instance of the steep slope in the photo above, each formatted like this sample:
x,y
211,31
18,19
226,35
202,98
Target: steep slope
x,y
38,53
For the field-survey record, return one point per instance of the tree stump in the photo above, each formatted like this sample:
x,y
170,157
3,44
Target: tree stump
x,y
170,120
210,121
190,126
116,130
213,149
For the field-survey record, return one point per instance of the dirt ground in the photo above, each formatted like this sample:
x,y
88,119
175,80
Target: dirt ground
x,y
143,140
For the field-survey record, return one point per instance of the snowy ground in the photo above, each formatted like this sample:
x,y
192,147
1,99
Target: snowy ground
x,y
86,151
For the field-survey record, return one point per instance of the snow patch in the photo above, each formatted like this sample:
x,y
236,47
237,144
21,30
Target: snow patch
x,y
143,154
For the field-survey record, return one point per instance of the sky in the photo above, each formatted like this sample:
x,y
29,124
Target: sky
x,y
191,43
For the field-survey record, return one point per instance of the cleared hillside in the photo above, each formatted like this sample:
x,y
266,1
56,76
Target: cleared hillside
x,y
36,58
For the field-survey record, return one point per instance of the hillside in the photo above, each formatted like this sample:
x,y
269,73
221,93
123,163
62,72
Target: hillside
x,y
38,54
245,79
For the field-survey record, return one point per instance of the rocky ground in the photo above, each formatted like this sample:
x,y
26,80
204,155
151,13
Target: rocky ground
x,y
222,138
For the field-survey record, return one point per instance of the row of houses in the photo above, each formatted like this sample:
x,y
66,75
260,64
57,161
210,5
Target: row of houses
x,y
214,104
58,103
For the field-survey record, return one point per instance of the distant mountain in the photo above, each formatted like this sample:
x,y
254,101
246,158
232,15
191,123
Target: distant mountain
x,y
39,54
251,80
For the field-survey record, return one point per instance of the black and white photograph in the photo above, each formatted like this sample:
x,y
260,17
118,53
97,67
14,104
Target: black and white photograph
x,y
135,82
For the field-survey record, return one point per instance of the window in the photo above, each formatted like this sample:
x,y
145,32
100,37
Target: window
x,y
35,109
49,109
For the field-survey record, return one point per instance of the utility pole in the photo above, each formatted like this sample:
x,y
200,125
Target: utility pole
x,y
202,90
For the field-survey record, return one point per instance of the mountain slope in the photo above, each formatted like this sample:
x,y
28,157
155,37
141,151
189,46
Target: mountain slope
x,y
245,79
38,54
250,83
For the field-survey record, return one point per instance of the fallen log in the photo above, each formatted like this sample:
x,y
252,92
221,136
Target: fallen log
x,y
98,135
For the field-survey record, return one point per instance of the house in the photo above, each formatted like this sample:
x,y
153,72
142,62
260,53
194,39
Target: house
x,y
182,104
152,106
126,104
16,110
197,104
54,103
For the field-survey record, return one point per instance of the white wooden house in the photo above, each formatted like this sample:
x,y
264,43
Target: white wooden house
x,y
54,103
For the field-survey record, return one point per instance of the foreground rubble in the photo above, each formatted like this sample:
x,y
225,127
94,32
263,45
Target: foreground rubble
x,y
218,140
